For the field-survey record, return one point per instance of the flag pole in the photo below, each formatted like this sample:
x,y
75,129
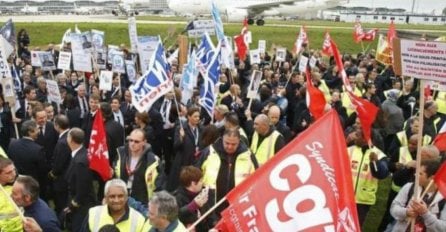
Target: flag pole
x,y
191,228
362,46
419,144
178,108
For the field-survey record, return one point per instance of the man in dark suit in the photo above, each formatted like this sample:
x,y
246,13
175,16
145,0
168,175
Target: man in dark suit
x,y
128,111
47,136
25,105
80,180
114,131
87,123
82,101
27,155
60,164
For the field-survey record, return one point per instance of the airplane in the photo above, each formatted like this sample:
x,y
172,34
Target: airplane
x,y
237,10
82,10
129,7
29,9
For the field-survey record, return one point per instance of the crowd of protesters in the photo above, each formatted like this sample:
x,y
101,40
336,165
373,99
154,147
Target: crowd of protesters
x,y
173,162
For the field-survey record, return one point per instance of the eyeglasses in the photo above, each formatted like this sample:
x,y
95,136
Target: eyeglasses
x,y
134,141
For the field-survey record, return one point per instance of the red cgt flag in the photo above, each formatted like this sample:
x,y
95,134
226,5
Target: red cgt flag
x,y
440,139
366,110
315,98
359,34
440,179
98,150
240,41
306,186
391,34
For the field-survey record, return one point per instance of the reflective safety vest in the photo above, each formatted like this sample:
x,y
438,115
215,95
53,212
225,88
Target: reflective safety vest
x,y
365,185
98,216
441,102
346,102
325,90
148,228
404,158
266,149
211,166
150,174
402,137
9,219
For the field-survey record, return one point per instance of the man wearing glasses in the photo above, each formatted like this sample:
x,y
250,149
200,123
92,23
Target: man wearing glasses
x,y
139,167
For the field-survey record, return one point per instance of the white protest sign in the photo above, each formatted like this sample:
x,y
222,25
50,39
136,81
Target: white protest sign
x,y
118,64
254,56
101,57
254,85
8,90
423,59
133,34
262,46
64,61
146,47
97,39
81,57
6,46
280,54
248,37
131,70
303,63
313,62
53,91
4,67
47,61
35,59
200,27
105,80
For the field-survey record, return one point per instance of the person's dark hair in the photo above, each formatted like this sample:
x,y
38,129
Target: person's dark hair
x,y
62,121
77,135
232,133
116,98
106,110
30,187
210,135
28,90
4,162
70,101
431,166
192,110
27,127
232,118
36,109
190,174
109,228
95,97
143,116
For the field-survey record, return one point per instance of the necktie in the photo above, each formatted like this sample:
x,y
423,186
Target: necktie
x,y
41,130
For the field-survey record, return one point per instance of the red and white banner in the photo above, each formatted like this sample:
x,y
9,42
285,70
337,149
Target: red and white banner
x,y
359,34
440,139
98,150
306,186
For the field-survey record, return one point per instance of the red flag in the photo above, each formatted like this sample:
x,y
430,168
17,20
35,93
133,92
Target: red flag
x,y
427,92
440,139
301,39
391,34
440,179
241,46
359,35
365,110
306,186
98,150
315,98
326,46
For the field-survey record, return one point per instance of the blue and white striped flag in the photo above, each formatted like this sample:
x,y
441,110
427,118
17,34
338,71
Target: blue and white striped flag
x,y
207,90
155,83
227,54
205,53
189,78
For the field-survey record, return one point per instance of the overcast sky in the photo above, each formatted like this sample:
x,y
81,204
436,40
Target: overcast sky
x,y
421,6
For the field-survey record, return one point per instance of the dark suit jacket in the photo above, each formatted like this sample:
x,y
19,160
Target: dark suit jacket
x,y
48,141
61,162
87,125
80,179
129,117
74,117
28,158
115,138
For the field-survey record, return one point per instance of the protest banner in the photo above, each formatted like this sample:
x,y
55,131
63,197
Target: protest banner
x,y
97,39
280,54
105,80
133,34
130,70
254,56
303,62
64,61
200,27
118,64
47,61
81,58
146,47
254,85
53,91
262,46
35,59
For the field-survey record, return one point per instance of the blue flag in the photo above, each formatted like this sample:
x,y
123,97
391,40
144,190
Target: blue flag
x,y
207,90
155,83
205,53
217,22
8,32
189,78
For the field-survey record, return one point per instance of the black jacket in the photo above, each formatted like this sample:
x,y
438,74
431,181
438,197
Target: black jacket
x,y
61,162
48,141
115,138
